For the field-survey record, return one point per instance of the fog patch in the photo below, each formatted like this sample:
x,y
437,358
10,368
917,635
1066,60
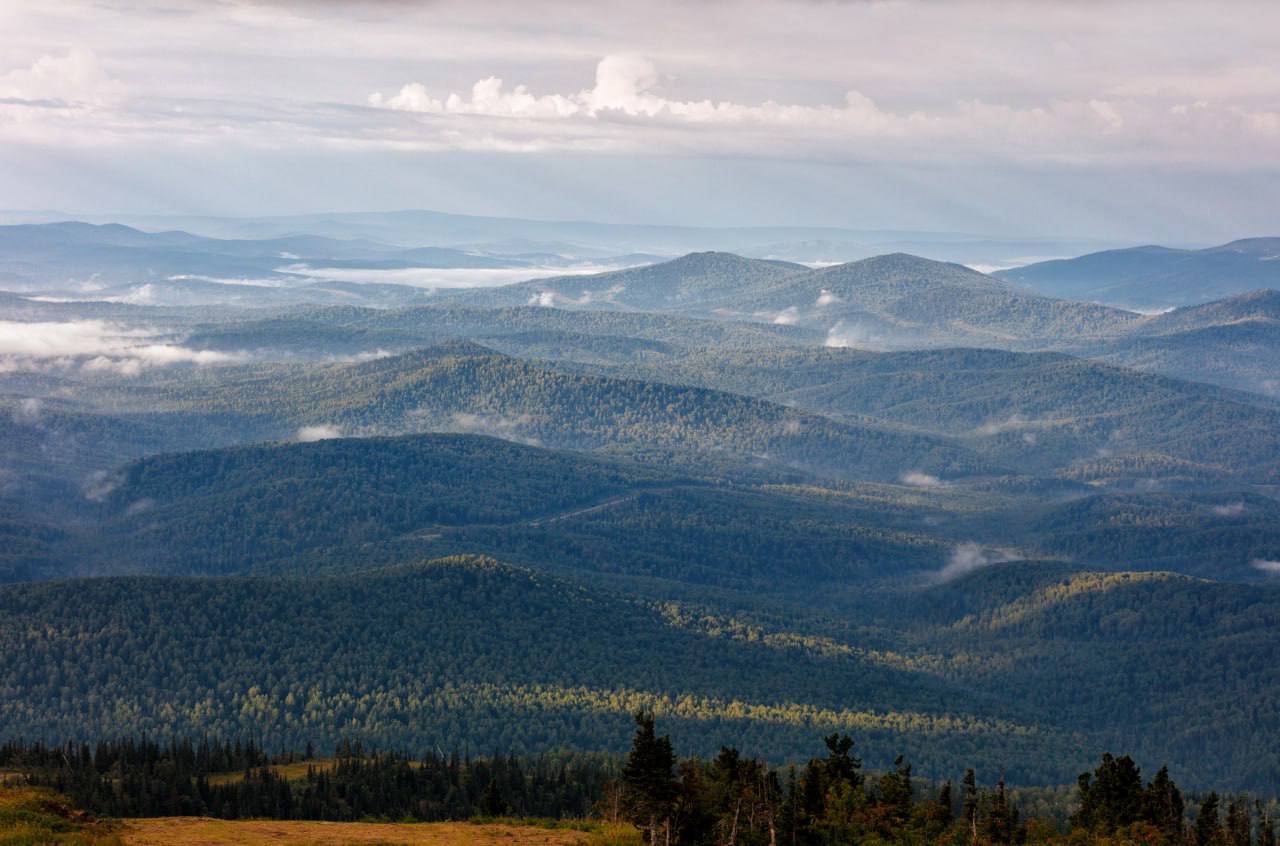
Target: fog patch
x,y
140,506
446,278
321,432
1231,509
826,298
916,479
1262,565
551,299
850,334
967,558
28,411
789,316
494,425
95,345
101,484
1009,424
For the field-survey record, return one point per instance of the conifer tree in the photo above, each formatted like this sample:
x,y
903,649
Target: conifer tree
x,y
649,780
1207,821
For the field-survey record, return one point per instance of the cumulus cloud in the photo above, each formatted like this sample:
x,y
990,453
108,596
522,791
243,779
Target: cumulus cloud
x,y
916,479
627,90
1271,568
94,345
320,432
76,77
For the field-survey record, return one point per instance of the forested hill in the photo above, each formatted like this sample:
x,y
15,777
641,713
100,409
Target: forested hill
x,y
1041,412
419,655
1157,277
1013,668
465,388
901,300
891,300
698,282
257,508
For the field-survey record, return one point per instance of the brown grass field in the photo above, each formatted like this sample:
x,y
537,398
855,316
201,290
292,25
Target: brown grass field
x,y
202,831
294,772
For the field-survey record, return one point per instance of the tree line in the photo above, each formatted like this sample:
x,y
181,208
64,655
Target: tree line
x,y
728,800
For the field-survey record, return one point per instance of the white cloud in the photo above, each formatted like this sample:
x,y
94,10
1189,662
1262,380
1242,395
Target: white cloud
x,y
916,479
789,316
100,484
140,506
322,432
76,78
1012,423
1231,509
94,345
848,333
28,411
826,298
494,425
1271,568
437,278
966,558
626,93
551,299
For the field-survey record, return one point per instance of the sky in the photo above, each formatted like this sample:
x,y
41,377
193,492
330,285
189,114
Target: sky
x,y
1144,121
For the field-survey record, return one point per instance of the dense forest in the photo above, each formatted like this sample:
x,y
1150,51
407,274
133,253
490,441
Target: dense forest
x,y
1015,666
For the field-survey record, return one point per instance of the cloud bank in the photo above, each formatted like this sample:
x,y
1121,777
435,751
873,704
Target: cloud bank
x,y
94,345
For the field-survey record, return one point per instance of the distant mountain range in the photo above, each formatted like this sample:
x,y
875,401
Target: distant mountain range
x,y
515,237
119,263
1157,277
888,301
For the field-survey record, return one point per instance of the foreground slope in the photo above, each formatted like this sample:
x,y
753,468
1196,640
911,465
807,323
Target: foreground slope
x,y
1014,668
456,652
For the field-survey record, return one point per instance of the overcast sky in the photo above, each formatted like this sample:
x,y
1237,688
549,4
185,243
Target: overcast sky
x,y
1134,121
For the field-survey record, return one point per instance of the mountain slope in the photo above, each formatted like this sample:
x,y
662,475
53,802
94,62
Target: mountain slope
x,y
901,300
456,652
697,283
1157,277
1012,668
262,508
1040,412
467,388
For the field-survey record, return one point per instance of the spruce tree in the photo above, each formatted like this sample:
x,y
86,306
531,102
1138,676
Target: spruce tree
x,y
1207,821
649,779
1163,807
